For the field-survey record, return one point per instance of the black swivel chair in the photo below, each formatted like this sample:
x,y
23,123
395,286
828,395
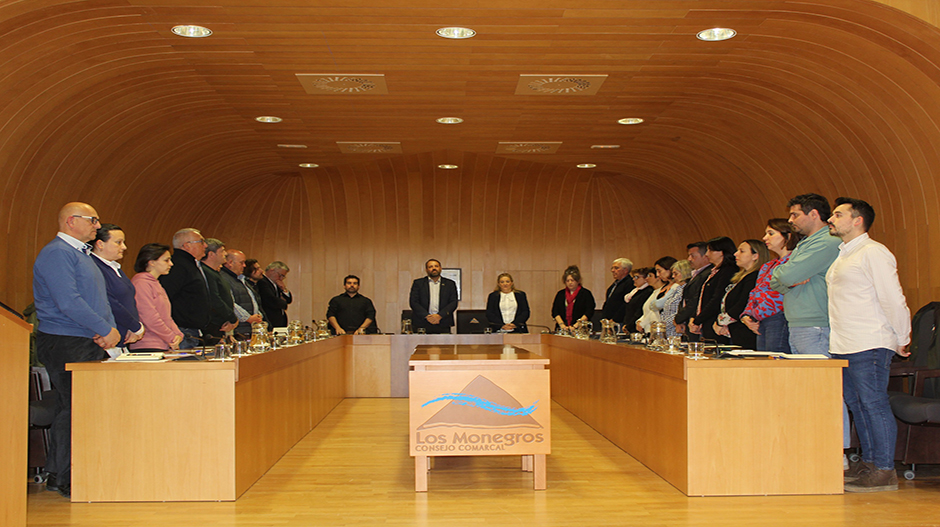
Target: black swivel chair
x,y
918,424
41,413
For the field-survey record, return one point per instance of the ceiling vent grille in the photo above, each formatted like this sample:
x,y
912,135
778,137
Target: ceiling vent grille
x,y
339,84
559,84
354,147
544,147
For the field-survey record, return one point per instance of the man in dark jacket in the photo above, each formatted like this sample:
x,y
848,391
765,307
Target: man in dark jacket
x,y
186,286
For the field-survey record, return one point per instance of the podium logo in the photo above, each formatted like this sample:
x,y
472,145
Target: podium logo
x,y
481,404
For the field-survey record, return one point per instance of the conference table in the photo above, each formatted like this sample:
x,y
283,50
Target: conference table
x,y
479,400
713,427
187,430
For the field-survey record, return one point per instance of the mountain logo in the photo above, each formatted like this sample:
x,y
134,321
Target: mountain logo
x,y
481,404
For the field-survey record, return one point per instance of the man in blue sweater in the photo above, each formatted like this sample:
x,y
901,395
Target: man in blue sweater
x,y
75,323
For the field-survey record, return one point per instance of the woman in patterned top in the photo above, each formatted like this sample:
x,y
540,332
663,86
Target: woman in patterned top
x,y
764,312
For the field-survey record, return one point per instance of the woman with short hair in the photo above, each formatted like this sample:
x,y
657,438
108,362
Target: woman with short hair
x,y
107,248
574,304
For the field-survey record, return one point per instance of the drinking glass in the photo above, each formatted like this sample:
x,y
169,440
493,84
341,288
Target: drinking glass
x,y
696,350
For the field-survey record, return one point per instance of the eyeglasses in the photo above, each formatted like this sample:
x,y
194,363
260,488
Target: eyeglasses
x,y
92,219
196,241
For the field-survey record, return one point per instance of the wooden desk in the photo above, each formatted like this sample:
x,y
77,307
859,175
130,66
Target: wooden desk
x,y
709,427
479,400
196,431
14,414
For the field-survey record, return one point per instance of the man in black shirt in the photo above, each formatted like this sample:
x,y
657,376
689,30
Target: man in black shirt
x,y
350,312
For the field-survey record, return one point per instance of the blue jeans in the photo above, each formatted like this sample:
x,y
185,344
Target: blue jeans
x,y
774,334
865,389
816,340
809,340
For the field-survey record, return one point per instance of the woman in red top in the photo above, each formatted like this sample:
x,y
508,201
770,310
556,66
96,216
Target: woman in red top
x,y
574,304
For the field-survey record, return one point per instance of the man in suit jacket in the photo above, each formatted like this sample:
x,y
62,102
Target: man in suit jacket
x,y
186,286
614,306
274,294
433,300
690,295
222,317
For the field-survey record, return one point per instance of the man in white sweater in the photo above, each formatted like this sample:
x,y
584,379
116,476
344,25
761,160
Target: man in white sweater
x,y
870,322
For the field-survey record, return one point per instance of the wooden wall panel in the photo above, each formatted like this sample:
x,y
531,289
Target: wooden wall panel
x,y
488,217
100,103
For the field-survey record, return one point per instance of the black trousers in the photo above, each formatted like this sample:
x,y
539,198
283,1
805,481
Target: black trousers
x,y
55,351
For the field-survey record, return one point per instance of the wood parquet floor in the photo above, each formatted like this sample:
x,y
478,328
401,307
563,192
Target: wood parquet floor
x,y
354,469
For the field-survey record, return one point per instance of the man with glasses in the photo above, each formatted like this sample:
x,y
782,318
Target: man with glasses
x,y
186,286
274,294
75,323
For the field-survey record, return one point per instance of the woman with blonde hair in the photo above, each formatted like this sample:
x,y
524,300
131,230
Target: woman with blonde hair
x,y
681,273
750,256
507,308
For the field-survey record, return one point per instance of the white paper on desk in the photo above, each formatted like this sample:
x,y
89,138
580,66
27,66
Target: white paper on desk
x,y
752,353
138,357
814,356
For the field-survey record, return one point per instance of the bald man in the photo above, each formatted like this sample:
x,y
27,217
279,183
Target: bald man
x,y
75,323
247,304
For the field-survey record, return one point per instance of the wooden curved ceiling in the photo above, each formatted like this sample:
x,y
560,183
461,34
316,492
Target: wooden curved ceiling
x,y
99,101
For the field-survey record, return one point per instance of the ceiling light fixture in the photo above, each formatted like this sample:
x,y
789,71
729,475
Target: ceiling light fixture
x,y
716,34
456,32
447,167
587,165
604,147
450,120
291,146
308,165
190,31
630,120
268,119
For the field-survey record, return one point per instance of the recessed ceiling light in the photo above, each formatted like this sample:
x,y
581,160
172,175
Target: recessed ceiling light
x,y
292,146
456,32
447,167
716,34
268,119
308,165
191,31
587,165
450,120
605,146
630,120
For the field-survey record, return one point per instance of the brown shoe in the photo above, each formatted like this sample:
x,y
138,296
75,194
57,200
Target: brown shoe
x,y
856,470
875,480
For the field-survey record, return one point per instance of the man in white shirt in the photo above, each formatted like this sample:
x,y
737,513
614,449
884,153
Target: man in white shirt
x,y
869,322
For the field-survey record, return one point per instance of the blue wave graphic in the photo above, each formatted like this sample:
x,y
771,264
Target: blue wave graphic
x,y
465,399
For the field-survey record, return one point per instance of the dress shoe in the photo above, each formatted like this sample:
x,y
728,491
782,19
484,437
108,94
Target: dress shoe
x,y
65,491
875,480
856,470
51,483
